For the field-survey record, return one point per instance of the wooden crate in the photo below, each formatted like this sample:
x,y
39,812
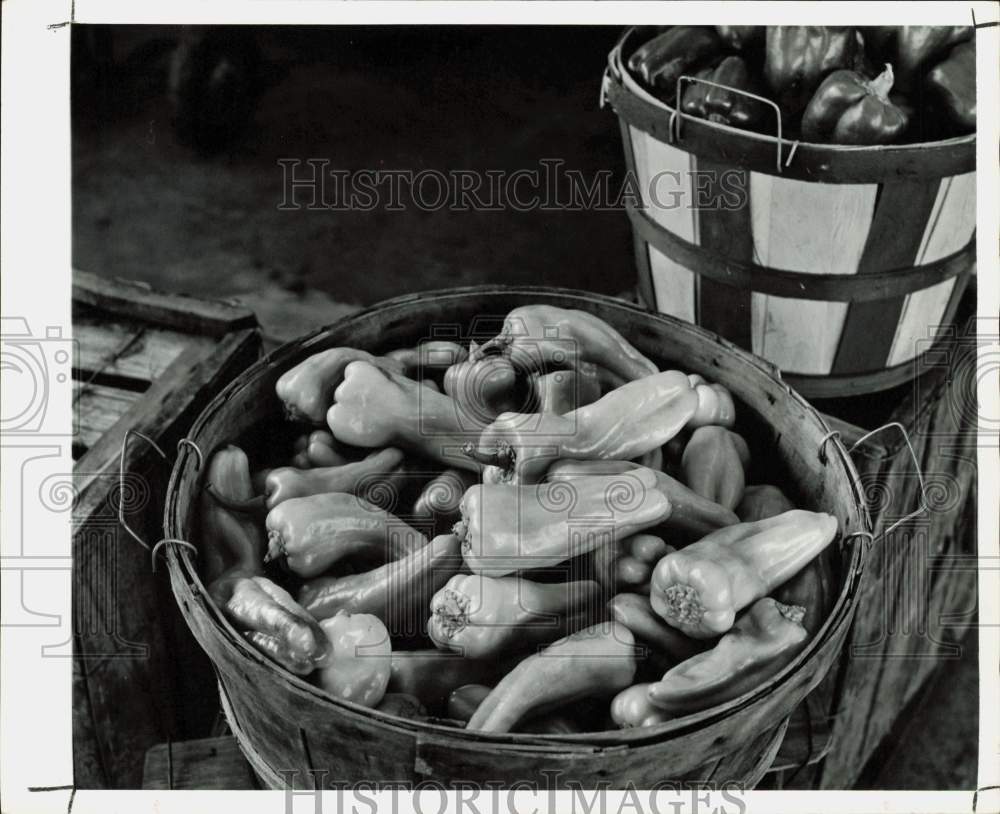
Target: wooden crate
x,y
918,596
150,362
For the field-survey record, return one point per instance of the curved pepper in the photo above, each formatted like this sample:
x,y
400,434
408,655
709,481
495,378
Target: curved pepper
x,y
307,389
741,37
431,675
481,616
762,642
700,589
849,109
371,474
632,707
562,391
953,81
690,513
599,660
723,106
232,550
440,500
635,565
522,446
682,49
486,385
397,592
463,703
667,644
428,359
317,449
374,408
540,338
761,502
315,532
715,404
359,668
506,529
797,58
714,465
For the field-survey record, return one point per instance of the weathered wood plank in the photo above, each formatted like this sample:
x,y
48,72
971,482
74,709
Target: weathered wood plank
x,y
128,349
206,763
195,316
98,408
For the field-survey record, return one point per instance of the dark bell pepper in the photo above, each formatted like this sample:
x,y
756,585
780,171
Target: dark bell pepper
x,y
849,109
953,81
917,47
683,49
740,37
797,58
724,106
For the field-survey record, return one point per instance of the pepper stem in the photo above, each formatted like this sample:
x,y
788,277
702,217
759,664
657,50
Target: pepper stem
x,y
275,545
882,84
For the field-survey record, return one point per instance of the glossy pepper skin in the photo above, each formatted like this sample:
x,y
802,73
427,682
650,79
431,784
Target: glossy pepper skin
x,y
373,408
599,660
307,389
797,58
723,106
691,514
628,566
763,641
486,384
740,37
440,501
397,592
917,47
953,81
540,338
522,447
761,502
632,707
381,468
715,404
700,589
313,533
480,616
359,668
849,109
563,391
506,529
232,550
667,645
429,359
464,701
714,464
680,50
318,449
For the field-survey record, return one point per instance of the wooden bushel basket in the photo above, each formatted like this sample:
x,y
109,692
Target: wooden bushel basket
x,y
294,733
839,264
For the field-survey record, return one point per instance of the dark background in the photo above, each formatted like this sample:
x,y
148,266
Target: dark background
x,y
158,197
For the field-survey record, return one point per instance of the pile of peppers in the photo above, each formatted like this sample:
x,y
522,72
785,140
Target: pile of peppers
x,y
833,84
539,531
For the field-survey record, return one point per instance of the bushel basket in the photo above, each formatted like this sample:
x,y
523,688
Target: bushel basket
x,y
293,733
839,264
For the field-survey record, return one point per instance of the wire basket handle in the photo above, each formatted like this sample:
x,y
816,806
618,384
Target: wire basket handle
x,y
154,550
921,509
677,116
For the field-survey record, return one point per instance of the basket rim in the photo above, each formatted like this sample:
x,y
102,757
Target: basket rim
x,y
819,153
188,587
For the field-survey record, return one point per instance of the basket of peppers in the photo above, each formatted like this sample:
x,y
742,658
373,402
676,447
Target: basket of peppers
x,y
827,84
522,548
806,192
